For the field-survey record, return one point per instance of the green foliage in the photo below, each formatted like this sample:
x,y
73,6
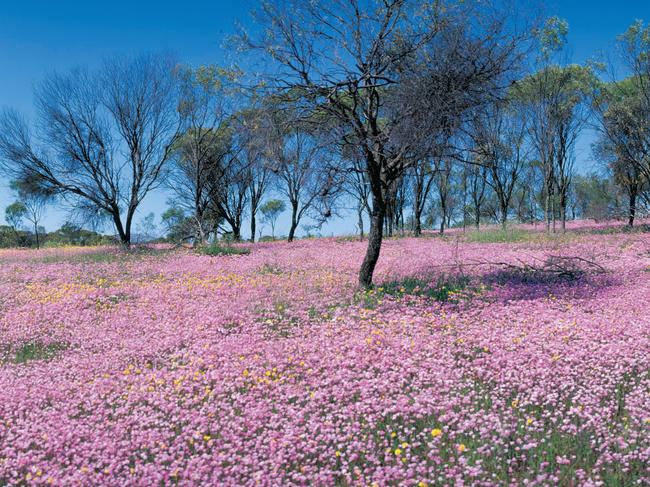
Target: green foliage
x,y
510,235
443,288
552,36
37,351
71,234
595,198
14,214
216,248
271,210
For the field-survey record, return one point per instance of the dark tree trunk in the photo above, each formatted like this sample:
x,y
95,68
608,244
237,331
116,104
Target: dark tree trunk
x,y
417,228
375,236
632,206
563,213
294,222
125,239
253,224
38,244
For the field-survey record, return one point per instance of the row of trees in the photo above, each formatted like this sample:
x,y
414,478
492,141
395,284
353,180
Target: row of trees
x,y
410,112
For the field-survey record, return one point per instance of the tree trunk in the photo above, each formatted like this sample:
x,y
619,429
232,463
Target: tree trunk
x,y
417,227
563,213
632,207
253,224
294,221
38,245
553,213
125,239
375,236
360,222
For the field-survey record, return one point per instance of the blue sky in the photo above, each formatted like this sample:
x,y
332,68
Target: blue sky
x,y
39,36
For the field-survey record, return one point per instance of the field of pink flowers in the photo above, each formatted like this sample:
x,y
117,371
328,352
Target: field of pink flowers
x,y
174,368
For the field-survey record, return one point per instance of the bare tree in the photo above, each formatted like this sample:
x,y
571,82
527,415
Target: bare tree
x,y
477,186
103,139
501,143
423,175
443,167
299,163
357,187
387,71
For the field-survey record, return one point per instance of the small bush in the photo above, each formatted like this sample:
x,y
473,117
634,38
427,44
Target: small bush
x,y
444,288
37,351
215,249
510,235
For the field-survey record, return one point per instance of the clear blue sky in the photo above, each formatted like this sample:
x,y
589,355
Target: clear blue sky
x,y
38,36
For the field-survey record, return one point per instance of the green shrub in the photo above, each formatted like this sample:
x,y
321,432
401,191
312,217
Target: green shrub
x,y
37,351
510,235
444,288
219,249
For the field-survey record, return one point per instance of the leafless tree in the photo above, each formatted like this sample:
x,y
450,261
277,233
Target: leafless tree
x,y
422,178
443,179
387,72
303,175
500,134
102,140
357,188
477,189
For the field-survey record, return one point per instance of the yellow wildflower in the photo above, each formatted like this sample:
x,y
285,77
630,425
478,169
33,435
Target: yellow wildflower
x,y
461,448
435,432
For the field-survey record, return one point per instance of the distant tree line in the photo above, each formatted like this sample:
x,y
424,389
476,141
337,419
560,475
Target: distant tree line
x,y
409,114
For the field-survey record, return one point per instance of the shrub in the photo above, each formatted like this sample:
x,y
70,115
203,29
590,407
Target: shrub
x,y
219,249
510,235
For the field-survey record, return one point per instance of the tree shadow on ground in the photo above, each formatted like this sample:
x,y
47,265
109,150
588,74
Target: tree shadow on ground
x,y
509,285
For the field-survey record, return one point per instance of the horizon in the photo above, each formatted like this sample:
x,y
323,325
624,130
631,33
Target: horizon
x,y
38,37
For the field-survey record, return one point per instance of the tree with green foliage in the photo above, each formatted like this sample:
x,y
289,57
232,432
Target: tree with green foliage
x,y
14,215
556,102
271,210
34,201
622,110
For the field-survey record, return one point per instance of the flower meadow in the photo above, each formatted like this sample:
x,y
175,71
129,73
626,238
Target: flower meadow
x,y
170,367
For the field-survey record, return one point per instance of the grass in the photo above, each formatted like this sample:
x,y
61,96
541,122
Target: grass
x,y
510,235
215,249
443,288
37,351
